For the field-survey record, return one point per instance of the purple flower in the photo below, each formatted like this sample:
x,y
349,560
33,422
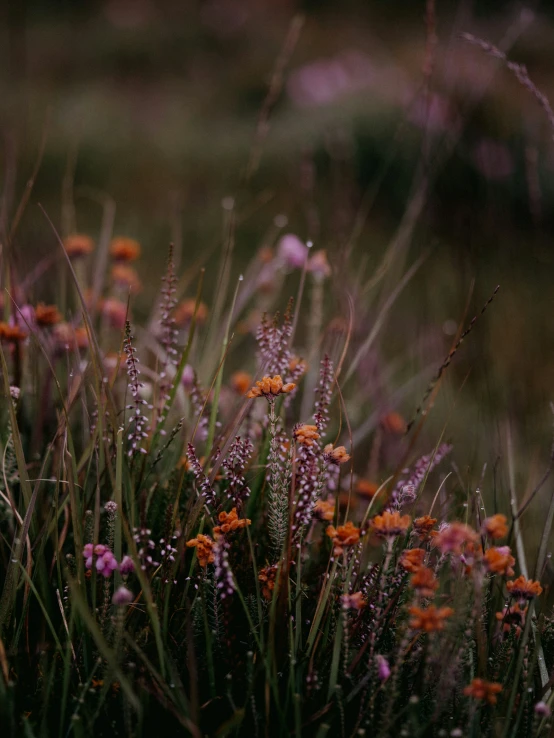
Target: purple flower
x,y
187,377
542,709
105,560
383,668
122,596
292,252
127,566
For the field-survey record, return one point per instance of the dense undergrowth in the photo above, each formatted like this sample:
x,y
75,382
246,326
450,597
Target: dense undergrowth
x,y
200,550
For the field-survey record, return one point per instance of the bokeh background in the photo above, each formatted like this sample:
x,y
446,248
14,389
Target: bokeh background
x,y
378,134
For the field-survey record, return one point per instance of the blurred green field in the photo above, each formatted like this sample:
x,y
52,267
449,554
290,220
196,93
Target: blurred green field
x,y
156,105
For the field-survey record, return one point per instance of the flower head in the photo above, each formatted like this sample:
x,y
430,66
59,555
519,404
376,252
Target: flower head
x,y
498,560
394,424
126,277
453,538
126,566
354,601
423,527
343,536
430,618
524,589
336,455
11,333
412,559
124,249
115,312
240,382
495,527
106,562
365,488
424,582
122,596
270,388
46,315
319,266
267,577
291,251
230,522
204,549
306,434
383,668
479,689
390,524
184,312
77,244
324,509
512,617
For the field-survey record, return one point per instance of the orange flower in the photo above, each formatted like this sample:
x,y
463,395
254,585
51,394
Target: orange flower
x,y
115,312
185,311
270,388
354,601
306,434
11,333
412,559
394,424
126,277
495,527
365,488
78,245
480,689
344,535
524,589
230,522
498,560
124,249
267,577
240,382
430,618
336,455
47,314
390,524
423,527
454,537
204,549
512,617
324,510
425,582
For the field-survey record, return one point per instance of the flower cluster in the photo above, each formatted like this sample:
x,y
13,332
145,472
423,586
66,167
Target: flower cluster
x,y
270,388
106,562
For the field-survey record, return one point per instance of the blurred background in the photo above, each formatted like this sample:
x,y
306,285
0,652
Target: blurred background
x,y
370,128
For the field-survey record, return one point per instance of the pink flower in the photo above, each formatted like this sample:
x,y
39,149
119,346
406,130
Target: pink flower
x,y
318,265
122,596
127,566
292,252
106,562
383,668
187,377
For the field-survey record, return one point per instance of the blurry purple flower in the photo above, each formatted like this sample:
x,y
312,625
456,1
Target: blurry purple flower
x,y
127,566
542,709
383,668
493,159
122,596
187,377
319,266
291,251
26,317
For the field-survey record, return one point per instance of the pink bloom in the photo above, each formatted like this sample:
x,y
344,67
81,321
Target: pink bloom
x,y
127,566
383,668
122,596
292,252
187,377
105,560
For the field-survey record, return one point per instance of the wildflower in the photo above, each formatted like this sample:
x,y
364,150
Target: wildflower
x,y
115,312
480,689
365,488
204,549
423,527
267,577
412,559
319,266
126,277
425,582
11,333
453,537
124,249
270,388
430,618
240,382
184,312
394,424
512,617
46,315
383,668
127,566
542,709
105,560
354,601
230,522
291,251
524,589
122,596
498,560
390,524
324,510
223,575
336,455
297,366
343,536
77,244
306,434
495,527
